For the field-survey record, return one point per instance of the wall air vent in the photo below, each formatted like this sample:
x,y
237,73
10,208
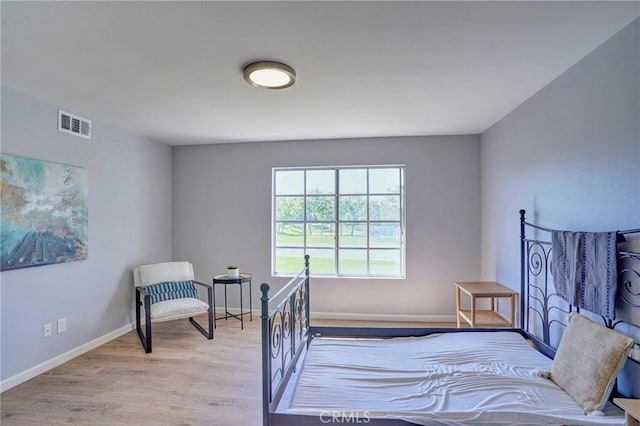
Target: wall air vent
x,y
71,123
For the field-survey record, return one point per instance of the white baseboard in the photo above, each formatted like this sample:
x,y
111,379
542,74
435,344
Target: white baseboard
x,y
62,358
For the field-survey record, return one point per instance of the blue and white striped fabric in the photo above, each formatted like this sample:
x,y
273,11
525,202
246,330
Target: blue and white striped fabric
x,y
172,290
584,267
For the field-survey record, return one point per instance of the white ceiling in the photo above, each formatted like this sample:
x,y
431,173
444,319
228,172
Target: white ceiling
x,y
173,70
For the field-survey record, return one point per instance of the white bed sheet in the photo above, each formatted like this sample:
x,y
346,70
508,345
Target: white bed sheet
x,y
443,379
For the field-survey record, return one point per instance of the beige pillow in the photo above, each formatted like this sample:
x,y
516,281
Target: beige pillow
x,y
587,361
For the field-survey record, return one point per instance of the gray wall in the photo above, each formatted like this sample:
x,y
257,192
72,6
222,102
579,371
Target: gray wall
x,y
129,224
222,214
570,156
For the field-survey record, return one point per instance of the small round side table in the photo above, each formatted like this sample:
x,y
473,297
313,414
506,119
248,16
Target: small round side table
x,y
239,281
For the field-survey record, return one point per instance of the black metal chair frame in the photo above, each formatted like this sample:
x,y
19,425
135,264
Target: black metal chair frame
x,y
145,338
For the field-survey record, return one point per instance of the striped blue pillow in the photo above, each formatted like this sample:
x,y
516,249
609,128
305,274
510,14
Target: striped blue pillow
x,y
172,290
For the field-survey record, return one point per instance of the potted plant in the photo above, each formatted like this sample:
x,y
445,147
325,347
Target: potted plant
x,y
233,271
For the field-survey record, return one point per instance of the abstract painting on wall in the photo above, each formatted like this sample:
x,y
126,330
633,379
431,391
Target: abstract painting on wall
x,y
44,217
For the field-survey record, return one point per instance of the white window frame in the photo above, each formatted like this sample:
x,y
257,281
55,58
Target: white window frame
x,y
304,221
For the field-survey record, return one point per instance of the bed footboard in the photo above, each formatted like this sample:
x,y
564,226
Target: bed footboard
x,y
285,332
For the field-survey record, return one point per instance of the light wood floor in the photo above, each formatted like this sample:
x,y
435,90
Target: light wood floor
x,y
186,380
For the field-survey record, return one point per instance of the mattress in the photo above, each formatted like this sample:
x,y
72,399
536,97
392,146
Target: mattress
x,y
444,379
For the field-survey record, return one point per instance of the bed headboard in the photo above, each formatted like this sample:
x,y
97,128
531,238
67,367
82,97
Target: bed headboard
x,y
543,312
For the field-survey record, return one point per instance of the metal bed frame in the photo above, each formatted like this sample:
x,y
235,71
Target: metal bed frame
x,y
286,331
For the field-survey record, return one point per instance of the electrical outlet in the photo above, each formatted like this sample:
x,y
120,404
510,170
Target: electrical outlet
x,y
62,325
634,353
46,330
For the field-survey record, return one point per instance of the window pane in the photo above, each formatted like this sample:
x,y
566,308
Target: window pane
x,y
321,182
384,207
352,262
349,220
353,181
321,208
353,235
289,208
289,260
384,181
289,234
321,234
289,182
384,262
384,235
353,207
322,261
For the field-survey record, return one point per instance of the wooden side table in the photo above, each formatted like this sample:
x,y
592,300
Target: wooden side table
x,y
487,290
631,409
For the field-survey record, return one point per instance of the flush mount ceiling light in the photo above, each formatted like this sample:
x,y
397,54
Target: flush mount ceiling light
x,y
269,75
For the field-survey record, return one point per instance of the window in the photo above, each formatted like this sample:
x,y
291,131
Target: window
x,y
350,220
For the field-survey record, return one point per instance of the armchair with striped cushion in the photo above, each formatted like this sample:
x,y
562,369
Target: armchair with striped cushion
x,y
166,291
